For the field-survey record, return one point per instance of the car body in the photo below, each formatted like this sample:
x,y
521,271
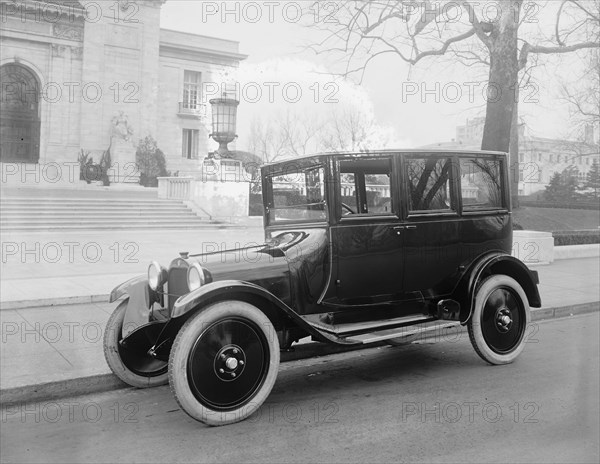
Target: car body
x,y
359,247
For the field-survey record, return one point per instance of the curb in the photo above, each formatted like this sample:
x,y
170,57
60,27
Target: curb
x,y
108,382
58,301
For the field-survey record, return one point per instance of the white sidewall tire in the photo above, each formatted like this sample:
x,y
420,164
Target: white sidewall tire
x,y
185,340
474,324
113,359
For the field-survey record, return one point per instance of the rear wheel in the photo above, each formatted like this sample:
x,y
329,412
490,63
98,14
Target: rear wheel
x,y
224,363
131,361
499,320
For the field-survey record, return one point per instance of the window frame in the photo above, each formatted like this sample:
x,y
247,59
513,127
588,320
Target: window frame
x,y
268,201
197,89
393,214
455,196
195,143
504,187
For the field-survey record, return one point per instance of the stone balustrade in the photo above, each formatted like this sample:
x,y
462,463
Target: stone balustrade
x,y
175,188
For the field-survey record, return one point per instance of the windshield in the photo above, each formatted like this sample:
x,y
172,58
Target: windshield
x,y
298,195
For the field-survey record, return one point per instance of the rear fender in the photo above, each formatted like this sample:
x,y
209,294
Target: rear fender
x,y
500,263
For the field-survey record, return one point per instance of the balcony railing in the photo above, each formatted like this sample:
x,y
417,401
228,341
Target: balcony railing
x,y
192,110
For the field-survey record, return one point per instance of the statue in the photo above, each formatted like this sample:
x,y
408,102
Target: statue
x,y
121,127
122,152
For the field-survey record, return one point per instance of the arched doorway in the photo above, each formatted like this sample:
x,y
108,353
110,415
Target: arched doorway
x,y
19,114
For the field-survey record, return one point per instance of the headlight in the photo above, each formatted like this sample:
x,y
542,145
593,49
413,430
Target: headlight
x,y
195,277
157,275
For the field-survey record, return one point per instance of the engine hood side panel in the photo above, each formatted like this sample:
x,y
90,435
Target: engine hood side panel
x,y
263,265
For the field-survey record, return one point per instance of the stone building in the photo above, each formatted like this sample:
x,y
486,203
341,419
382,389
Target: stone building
x,y
78,75
539,158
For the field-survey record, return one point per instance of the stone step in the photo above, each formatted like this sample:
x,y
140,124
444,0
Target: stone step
x,y
115,226
94,220
82,208
15,215
100,212
90,201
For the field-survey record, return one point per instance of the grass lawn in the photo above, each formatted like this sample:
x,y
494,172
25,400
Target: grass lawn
x,y
553,219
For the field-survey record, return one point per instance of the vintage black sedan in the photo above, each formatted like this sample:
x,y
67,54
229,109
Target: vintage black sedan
x,y
359,247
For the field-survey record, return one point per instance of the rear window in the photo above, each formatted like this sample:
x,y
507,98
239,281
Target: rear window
x,y
481,184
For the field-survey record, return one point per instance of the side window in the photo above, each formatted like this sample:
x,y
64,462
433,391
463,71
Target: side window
x,y
365,186
299,196
429,184
481,184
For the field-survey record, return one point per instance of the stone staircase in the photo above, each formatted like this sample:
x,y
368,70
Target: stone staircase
x,y
72,211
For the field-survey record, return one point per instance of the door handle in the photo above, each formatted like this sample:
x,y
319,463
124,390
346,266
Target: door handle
x,y
411,227
398,229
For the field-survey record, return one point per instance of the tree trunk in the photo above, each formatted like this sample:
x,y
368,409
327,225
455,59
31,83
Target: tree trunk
x,y
513,153
502,83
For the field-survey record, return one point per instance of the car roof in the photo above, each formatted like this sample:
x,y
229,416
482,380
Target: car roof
x,y
389,151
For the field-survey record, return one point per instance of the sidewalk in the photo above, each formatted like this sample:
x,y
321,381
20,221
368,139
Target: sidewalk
x,y
57,268
46,351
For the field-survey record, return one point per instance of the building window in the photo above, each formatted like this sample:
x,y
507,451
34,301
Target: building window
x,y
539,157
190,143
521,157
191,90
558,159
552,158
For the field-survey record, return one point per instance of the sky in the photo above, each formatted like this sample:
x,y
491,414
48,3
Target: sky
x,y
421,104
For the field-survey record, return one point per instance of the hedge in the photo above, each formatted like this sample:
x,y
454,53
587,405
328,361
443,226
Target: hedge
x,y
576,237
548,204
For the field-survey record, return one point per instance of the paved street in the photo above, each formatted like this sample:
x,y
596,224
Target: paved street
x,y
429,402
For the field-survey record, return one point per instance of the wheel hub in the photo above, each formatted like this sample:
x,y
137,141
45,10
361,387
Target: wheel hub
x,y
503,320
229,362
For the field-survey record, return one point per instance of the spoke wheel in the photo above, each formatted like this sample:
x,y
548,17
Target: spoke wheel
x,y
224,363
499,320
130,361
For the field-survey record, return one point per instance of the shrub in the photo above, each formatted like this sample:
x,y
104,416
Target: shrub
x,y
105,163
256,204
576,237
87,169
151,162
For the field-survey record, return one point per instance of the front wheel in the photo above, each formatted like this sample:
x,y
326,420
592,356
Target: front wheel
x,y
130,361
499,320
224,363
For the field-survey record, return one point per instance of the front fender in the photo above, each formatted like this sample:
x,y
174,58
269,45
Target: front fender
x,y
122,289
223,288
139,301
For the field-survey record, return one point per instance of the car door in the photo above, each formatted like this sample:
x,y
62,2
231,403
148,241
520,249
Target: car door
x,y
366,240
431,238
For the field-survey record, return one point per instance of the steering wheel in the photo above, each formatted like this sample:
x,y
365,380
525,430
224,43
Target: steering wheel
x,y
348,210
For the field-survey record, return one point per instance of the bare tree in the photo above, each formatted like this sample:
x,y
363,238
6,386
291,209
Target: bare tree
x,y
585,100
347,128
283,136
361,31
293,133
265,140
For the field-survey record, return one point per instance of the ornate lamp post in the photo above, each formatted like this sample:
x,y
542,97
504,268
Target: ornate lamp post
x,y
224,117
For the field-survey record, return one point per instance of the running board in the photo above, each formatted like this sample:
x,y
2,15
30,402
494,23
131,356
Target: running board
x,y
401,332
365,327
